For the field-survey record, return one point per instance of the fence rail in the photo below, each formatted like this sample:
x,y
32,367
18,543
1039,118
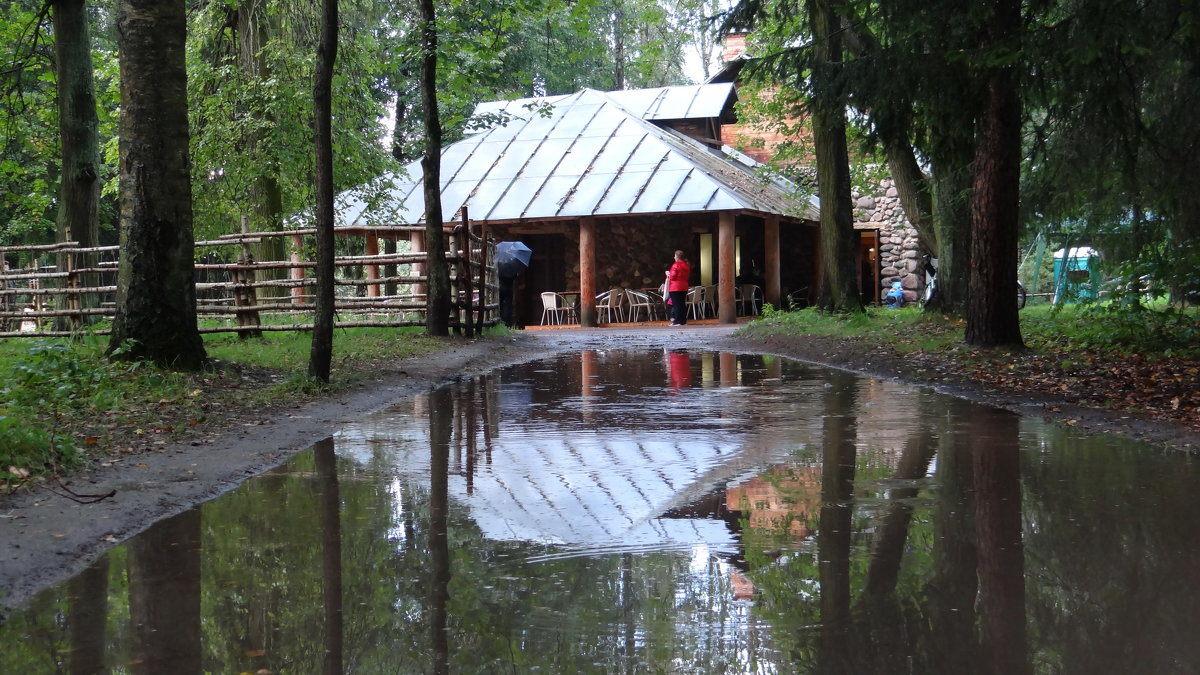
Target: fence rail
x,y
58,290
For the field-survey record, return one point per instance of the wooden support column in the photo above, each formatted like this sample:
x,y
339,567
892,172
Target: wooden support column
x,y
771,283
296,272
587,271
726,236
372,270
417,245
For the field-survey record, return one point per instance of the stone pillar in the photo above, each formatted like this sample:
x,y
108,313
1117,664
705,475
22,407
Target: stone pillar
x,y
726,236
771,283
587,271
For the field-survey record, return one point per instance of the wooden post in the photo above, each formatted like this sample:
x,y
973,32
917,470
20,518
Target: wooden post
x,y
771,282
417,242
468,278
726,236
75,320
244,295
587,271
483,272
297,273
372,246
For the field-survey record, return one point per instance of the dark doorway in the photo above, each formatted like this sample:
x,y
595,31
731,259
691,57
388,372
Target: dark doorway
x,y
868,266
547,272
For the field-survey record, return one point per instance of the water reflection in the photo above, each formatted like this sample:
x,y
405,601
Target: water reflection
x,y
669,511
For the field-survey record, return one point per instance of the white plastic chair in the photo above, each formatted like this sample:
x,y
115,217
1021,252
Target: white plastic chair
x,y
749,297
609,304
638,302
552,308
695,302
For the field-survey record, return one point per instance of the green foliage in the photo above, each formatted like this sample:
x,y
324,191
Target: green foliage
x,y
1115,328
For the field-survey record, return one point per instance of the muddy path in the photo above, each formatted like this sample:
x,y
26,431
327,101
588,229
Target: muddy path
x,y
47,537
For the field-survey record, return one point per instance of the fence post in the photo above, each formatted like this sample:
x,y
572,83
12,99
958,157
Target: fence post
x,y
296,273
372,249
75,318
464,240
244,295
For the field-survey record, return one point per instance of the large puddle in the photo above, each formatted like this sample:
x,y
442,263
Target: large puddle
x,y
646,512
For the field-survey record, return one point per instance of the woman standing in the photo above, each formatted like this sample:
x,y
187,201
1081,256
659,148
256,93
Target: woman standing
x,y
678,278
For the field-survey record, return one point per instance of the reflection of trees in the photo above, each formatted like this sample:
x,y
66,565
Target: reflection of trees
x,y
164,596
1111,556
331,554
996,462
441,409
835,528
87,618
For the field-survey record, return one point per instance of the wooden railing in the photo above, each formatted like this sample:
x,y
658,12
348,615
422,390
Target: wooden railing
x,y
61,289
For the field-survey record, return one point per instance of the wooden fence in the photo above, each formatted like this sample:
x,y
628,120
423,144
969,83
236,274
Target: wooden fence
x,y
58,290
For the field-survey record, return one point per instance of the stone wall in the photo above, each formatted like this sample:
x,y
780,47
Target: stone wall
x,y
899,247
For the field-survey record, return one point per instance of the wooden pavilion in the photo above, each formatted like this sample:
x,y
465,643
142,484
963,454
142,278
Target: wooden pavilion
x,y
605,186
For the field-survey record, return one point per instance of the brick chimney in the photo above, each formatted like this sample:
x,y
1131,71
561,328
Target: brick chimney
x,y
734,46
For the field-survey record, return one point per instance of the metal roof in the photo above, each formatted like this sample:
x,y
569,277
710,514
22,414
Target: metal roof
x,y
586,154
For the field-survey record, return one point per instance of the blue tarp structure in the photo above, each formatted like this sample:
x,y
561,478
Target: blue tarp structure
x,y
1076,274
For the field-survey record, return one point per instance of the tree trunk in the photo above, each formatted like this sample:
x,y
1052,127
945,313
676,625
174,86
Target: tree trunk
x,y
437,307
266,196
992,319
321,354
79,187
952,222
156,290
839,290
914,188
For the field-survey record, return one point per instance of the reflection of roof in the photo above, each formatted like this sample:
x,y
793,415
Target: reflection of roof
x,y
589,154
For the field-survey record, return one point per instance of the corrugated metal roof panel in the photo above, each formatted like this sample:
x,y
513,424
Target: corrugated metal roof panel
x,y
516,197
592,156
676,103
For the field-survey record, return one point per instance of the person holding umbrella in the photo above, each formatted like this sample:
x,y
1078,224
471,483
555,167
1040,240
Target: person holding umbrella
x,y
678,278
511,258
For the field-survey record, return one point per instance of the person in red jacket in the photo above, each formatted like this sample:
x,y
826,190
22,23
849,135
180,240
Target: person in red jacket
x,y
678,278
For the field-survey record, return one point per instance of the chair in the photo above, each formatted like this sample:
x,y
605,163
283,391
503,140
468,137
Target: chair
x,y
552,308
609,304
637,302
712,298
749,297
695,302
570,304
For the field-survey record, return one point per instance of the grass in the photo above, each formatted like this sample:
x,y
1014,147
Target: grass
x,y
63,403
1150,331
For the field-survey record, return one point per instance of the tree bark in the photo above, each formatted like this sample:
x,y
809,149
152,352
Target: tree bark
x,y
437,312
321,354
839,290
78,125
156,290
266,196
952,222
992,319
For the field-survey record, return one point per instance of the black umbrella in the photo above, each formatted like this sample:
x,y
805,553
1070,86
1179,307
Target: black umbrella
x,y
511,258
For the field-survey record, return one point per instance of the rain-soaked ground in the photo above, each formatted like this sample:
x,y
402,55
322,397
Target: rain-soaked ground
x,y
644,512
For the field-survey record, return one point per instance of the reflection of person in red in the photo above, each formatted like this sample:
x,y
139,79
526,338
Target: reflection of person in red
x,y
678,278
680,369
